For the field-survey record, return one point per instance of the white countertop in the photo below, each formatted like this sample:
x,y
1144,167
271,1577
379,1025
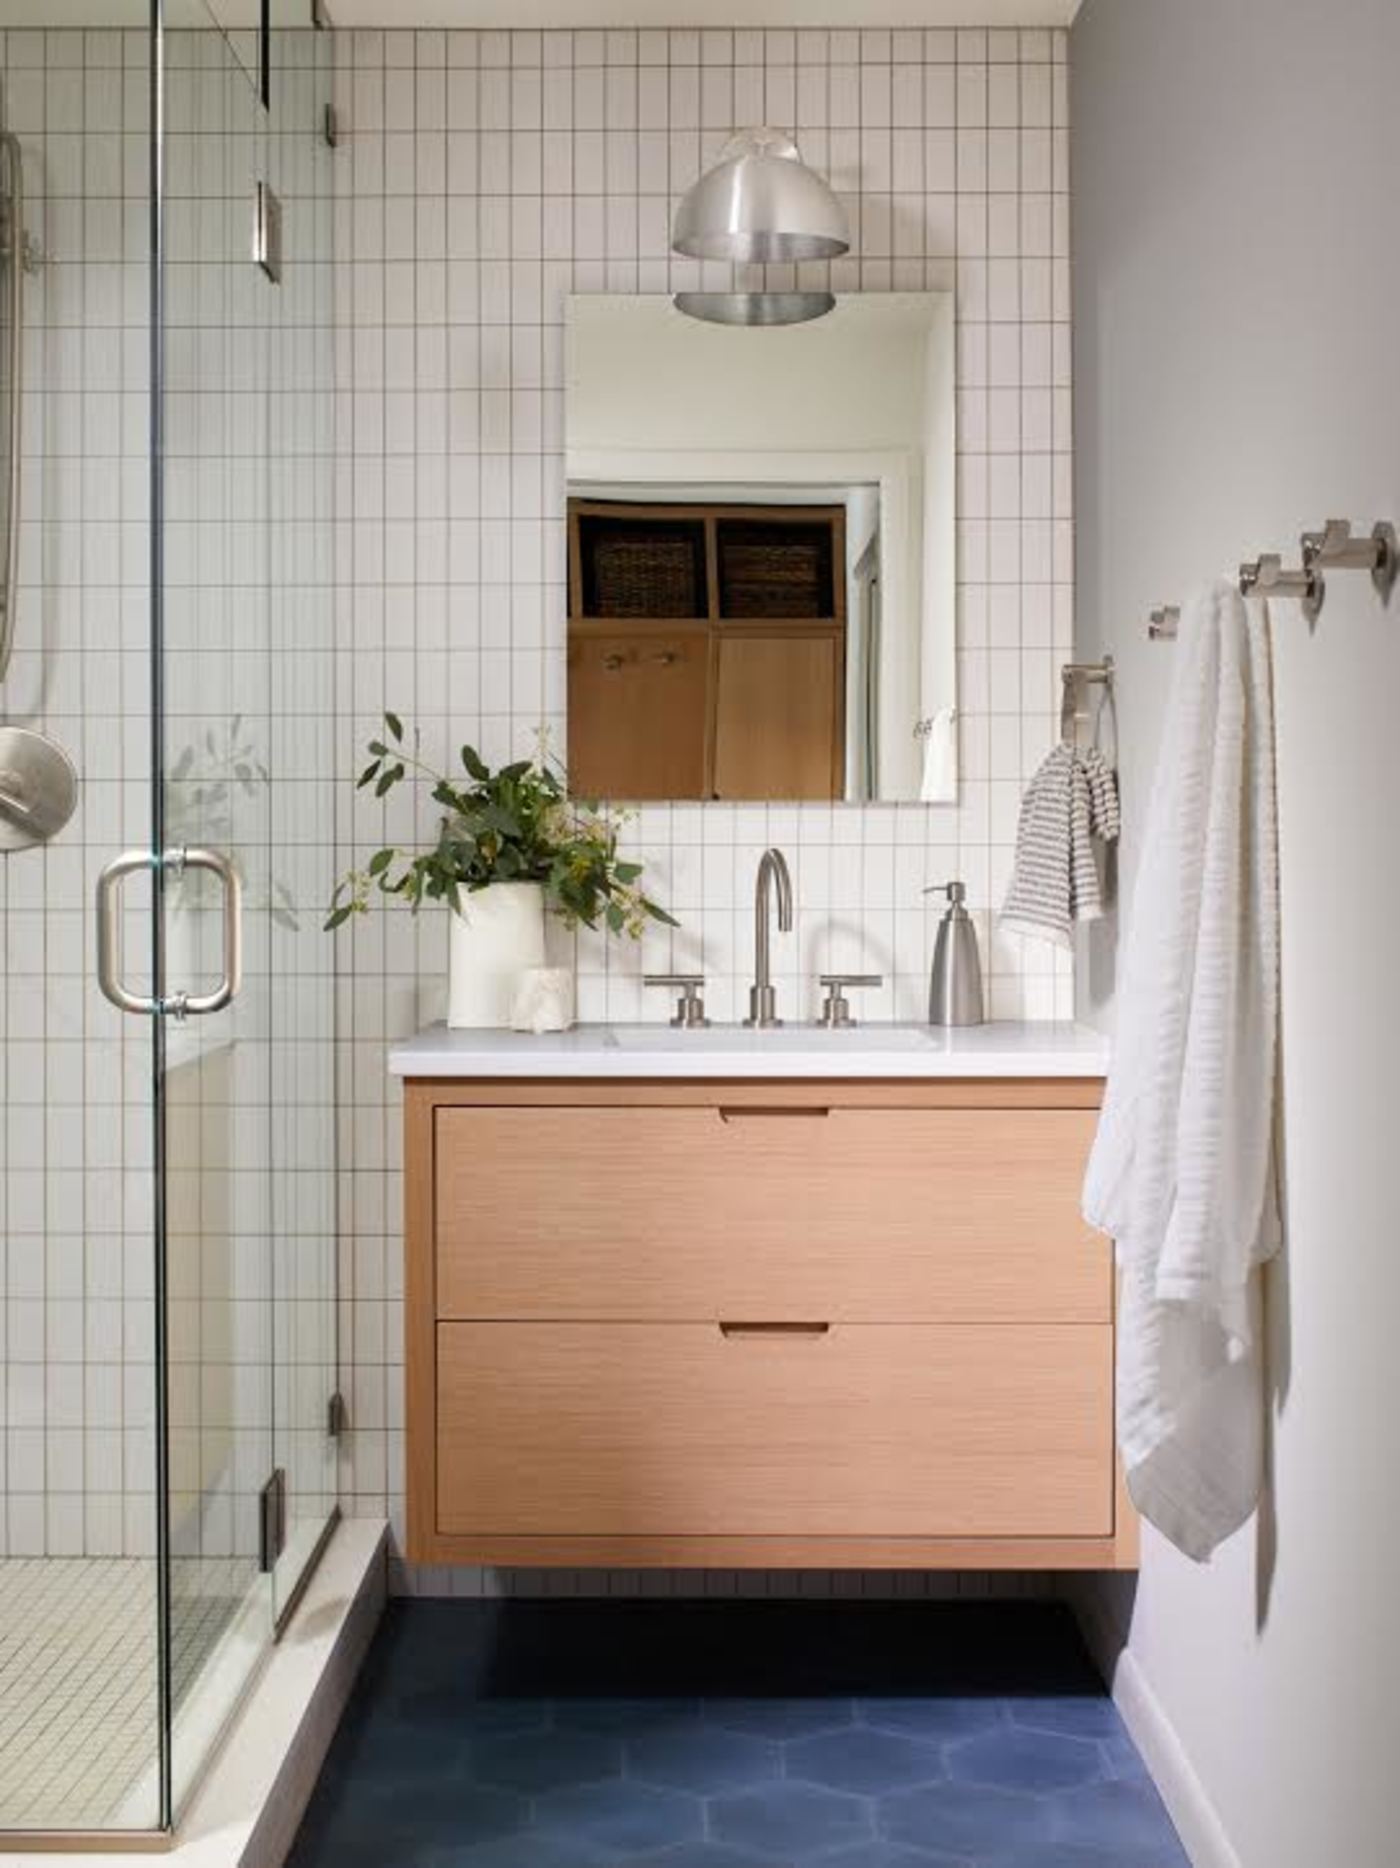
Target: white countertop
x,y
728,1051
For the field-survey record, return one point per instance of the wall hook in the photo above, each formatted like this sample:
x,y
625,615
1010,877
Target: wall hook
x,y
1164,622
1335,548
1266,577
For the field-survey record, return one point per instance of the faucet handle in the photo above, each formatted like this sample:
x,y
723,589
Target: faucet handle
x,y
836,1009
690,1007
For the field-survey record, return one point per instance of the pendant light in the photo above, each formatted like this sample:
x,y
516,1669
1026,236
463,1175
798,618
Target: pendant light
x,y
759,205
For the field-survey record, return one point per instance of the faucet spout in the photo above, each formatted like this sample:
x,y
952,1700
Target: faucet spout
x,y
773,875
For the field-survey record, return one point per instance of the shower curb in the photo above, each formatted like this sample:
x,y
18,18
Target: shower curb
x,y
247,1811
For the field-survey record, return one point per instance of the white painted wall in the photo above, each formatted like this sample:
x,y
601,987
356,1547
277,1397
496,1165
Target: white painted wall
x,y
1237,303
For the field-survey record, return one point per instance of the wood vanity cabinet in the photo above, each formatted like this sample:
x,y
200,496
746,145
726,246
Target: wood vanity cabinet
x,y
758,1324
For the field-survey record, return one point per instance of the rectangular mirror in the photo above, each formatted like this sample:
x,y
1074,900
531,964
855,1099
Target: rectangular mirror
x,y
761,552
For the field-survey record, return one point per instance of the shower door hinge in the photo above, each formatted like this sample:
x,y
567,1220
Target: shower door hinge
x,y
267,232
330,127
337,1416
272,1521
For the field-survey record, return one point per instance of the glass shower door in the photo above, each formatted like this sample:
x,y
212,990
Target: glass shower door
x,y
247,744
214,678
301,362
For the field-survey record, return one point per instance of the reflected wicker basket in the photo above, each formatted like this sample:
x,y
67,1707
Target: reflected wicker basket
x,y
645,577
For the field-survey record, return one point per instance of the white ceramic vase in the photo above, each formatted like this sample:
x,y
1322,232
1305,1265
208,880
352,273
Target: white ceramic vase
x,y
496,936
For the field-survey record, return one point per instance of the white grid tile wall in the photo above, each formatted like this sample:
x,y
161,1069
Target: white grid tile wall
x,y
485,177
250,753
76,1279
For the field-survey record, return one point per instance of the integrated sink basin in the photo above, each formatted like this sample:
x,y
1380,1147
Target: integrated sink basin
x,y
813,1040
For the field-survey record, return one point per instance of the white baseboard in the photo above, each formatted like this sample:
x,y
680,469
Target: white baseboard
x,y
1197,1820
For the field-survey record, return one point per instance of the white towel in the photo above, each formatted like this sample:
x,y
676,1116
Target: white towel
x,y
939,781
1182,1171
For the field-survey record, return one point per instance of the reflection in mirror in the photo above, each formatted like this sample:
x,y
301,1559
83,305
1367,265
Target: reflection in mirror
x,y
760,537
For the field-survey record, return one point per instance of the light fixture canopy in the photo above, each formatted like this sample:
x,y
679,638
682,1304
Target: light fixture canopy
x,y
760,204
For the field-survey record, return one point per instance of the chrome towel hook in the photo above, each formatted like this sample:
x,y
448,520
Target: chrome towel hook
x,y
1266,577
1076,679
1336,548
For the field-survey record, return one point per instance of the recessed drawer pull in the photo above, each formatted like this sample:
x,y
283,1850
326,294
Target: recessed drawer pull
x,y
774,1329
738,1113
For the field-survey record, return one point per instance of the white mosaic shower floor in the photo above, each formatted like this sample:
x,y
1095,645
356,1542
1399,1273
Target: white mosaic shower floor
x,y
78,1681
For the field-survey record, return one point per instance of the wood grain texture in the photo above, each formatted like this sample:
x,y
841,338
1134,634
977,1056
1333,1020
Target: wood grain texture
x,y
639,706
570,1430
771,1553
779,715
682,1214
427,1543
419,1318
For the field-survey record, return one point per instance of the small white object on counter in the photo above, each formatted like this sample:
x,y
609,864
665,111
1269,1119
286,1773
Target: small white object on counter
x,y
731,1051
544,1000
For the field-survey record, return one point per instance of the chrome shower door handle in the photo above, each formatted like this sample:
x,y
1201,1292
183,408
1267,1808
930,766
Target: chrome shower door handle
x,y
199,1004
109,943
109,934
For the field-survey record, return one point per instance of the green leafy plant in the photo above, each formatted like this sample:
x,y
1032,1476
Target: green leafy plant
x,y
513,825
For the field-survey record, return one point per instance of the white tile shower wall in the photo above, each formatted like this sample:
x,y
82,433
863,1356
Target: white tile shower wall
x,y
250,755
484,177
76,1277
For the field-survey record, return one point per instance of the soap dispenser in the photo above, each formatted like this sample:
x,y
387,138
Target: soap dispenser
x,y
955,988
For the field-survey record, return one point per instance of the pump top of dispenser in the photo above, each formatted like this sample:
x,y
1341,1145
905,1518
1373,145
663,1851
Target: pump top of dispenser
x,y
955,986
955,891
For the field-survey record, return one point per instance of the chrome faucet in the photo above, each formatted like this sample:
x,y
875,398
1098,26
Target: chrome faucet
x,y
763,1005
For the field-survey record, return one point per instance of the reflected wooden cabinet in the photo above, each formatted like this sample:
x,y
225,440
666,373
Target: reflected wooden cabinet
x,y
778,708
656,683
707,651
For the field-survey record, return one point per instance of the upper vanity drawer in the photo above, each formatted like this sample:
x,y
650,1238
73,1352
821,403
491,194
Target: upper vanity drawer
x,y
674,1214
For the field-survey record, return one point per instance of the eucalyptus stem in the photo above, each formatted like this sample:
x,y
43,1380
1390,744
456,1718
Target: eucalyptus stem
x,y
516,824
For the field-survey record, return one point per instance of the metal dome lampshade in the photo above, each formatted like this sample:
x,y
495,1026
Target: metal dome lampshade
x,y
759,205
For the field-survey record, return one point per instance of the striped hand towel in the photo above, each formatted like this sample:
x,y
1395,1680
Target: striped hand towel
x,y
1055,881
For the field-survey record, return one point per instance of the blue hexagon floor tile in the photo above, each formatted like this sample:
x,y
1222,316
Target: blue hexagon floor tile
x,y
1018,1760
827,1734
627,1818
792,1821
865,1761
1079,1715
705,1758
964,1819
531,1762
945,1717
703,1855
781,1718
892,1855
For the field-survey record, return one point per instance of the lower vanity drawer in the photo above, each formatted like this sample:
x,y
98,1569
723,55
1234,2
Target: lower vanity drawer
x,y
802,1431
